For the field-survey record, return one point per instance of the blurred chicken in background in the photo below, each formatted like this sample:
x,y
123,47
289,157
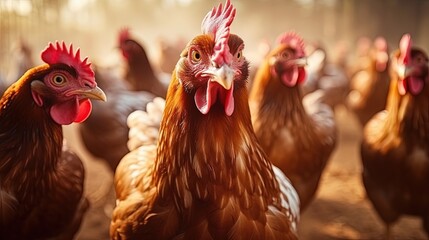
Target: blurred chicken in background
x,y
140,72
325,75
298,134
110,119
395,146
369,85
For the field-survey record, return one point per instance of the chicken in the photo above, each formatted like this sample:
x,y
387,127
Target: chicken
x,y
110,119
323,74
297,134
41,188
139,71
370,85
206,177
395,145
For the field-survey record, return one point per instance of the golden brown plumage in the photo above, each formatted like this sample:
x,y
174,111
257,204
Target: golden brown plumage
x,y
206,177
297,134
41,181
395,143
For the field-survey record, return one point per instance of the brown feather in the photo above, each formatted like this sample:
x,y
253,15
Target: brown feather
x,y
294,137
394,152
45,179
208,171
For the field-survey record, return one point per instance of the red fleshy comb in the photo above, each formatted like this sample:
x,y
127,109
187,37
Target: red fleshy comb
x,y
293,40
124,34
405,49
58,53
217,23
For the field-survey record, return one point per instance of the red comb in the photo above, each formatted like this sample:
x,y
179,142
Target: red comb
x,y
293,40
405,49
124,34
217,23
58,53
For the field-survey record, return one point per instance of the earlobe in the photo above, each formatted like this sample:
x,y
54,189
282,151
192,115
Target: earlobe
x,y
37,98
38,87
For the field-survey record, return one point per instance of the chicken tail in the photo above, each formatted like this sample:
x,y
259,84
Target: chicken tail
x,y
144,125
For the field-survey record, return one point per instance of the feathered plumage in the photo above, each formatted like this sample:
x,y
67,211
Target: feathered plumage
x,y
395,143
297,134
41,181
206,177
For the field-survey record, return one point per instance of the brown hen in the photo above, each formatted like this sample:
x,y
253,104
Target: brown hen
x,y
41,181
395,146
297,134
206,177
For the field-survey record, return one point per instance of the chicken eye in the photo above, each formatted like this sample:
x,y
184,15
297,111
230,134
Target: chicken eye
x,y
239,55
285,54
196,56
59,79
421,59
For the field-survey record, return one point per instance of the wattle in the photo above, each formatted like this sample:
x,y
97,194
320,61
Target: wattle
x,y
206,96
290,78
71,111
412,84
416,85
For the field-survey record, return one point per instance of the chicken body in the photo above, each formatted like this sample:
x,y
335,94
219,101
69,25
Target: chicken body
x,y
41,181
395,146
110,119
297,134
206,177
369,86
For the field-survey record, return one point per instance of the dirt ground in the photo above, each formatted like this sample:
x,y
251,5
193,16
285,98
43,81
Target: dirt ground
x,y
339,211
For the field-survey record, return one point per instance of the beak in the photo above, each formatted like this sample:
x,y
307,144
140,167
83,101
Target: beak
x,y
94,93
404,71
300,62
223,75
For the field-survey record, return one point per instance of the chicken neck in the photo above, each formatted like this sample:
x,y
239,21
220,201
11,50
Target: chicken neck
x,y
212,158
407,116
30,143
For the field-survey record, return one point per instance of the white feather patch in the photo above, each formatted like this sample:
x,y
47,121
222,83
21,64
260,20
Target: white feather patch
x,y
289,197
